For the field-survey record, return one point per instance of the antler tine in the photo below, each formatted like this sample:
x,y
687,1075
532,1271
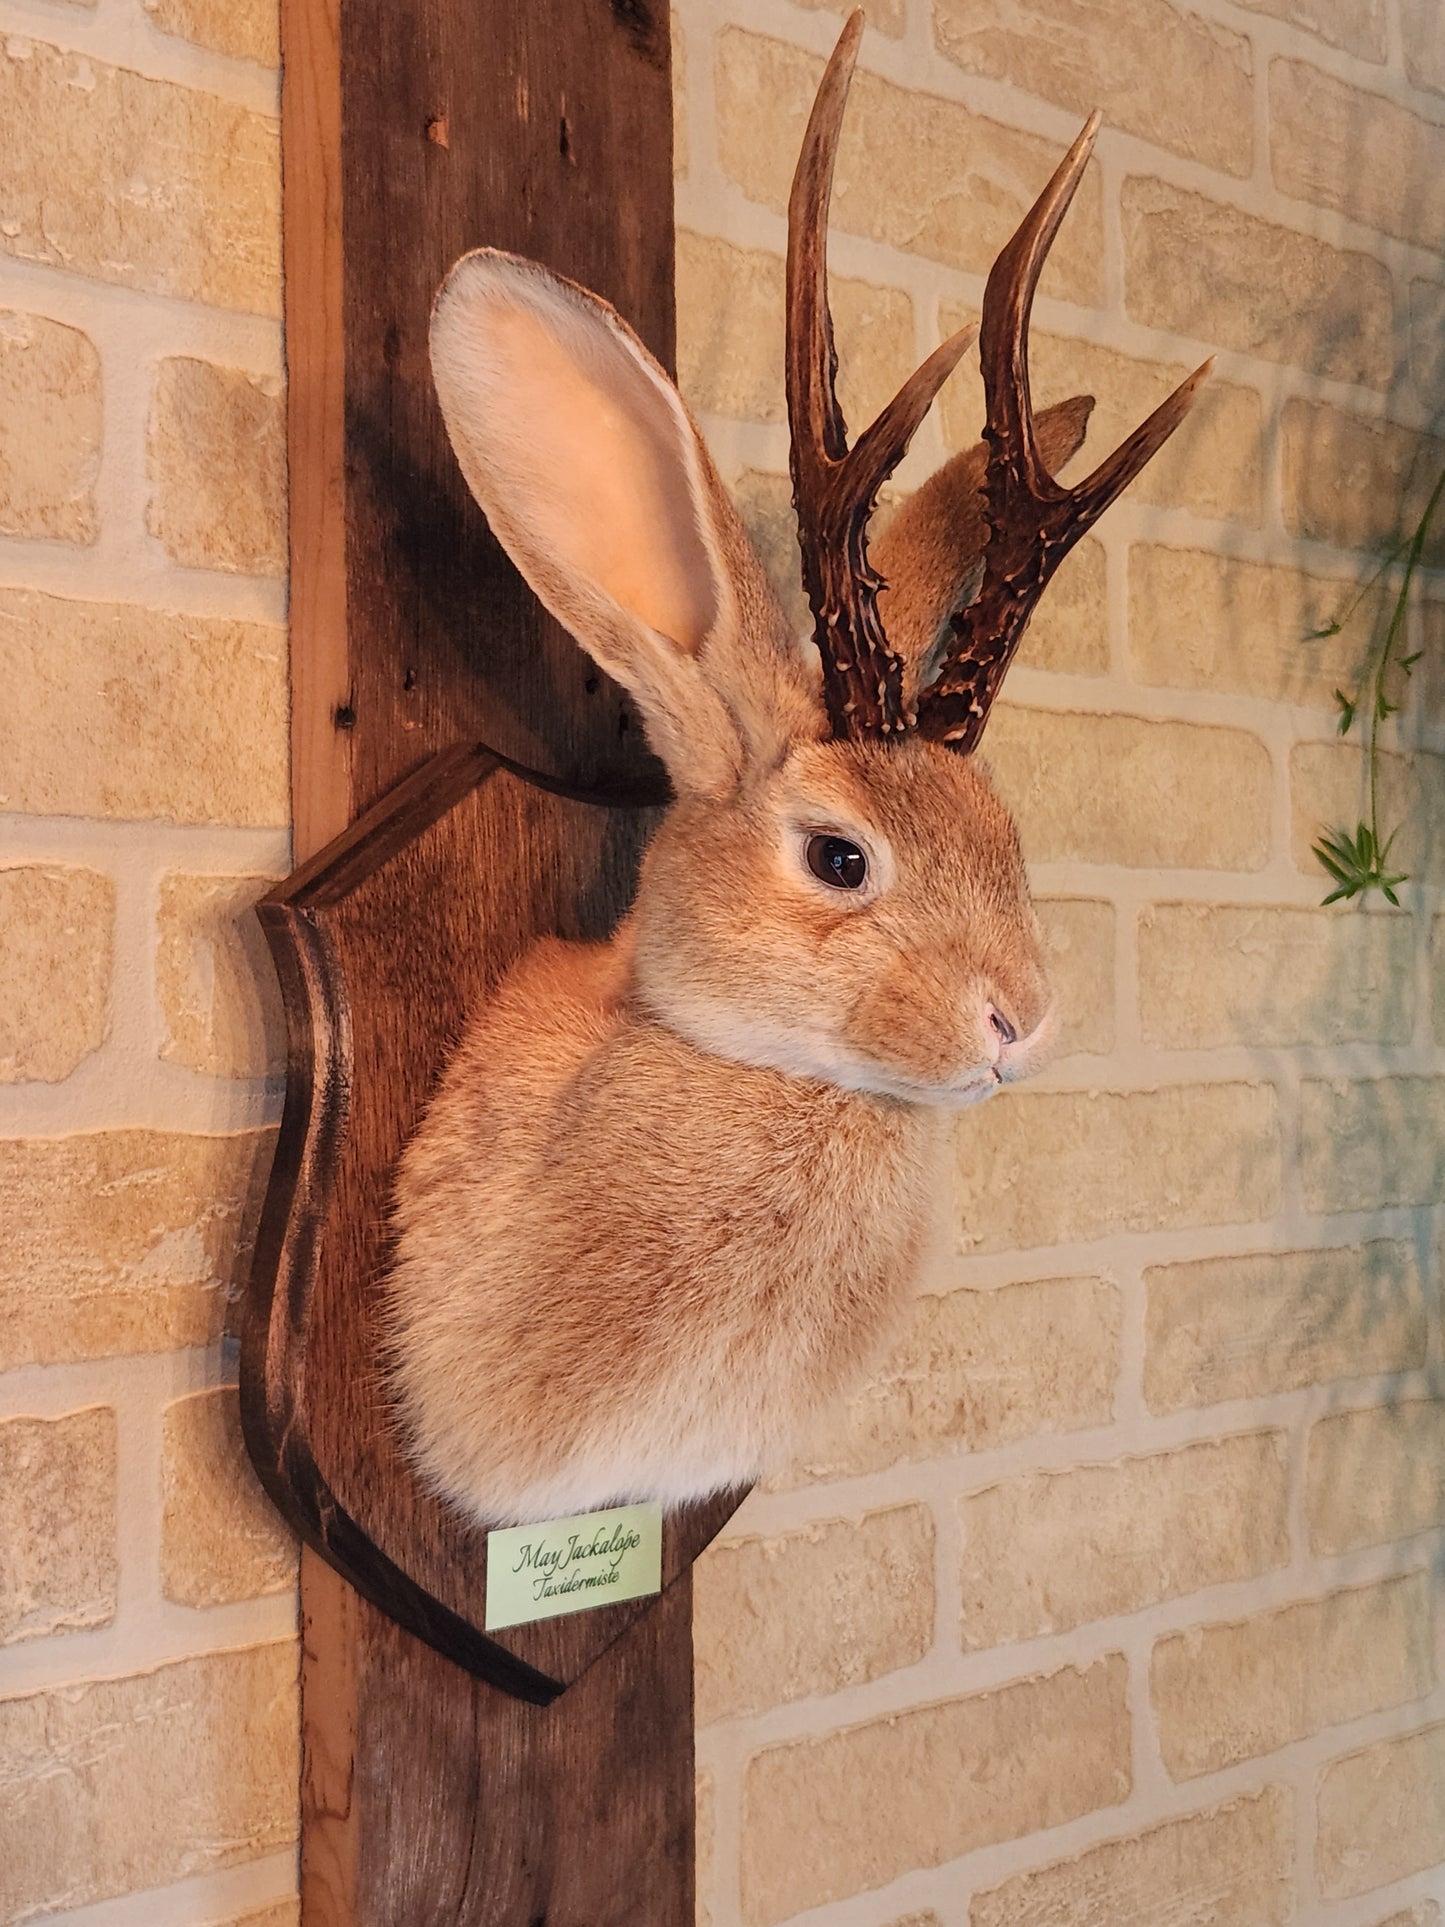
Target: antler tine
x,y
834,489
814,418
1114,474
1033,523
1008,302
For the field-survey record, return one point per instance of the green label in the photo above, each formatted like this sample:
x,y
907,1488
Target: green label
x,y
569,1565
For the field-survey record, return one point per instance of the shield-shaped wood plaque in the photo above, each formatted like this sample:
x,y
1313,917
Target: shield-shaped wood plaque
x,y
384,942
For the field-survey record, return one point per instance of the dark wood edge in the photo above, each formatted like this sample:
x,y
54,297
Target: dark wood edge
x,y
415,804
313,1129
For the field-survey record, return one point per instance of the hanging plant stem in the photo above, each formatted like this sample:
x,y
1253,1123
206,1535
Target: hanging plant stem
x,y
1358,862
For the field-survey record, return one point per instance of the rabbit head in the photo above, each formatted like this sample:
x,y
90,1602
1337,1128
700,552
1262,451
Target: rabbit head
x,y
837,892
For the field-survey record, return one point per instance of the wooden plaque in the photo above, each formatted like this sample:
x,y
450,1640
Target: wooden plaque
x,y
383,942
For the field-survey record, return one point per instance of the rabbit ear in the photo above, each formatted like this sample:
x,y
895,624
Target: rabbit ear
x,y
596,483
932,551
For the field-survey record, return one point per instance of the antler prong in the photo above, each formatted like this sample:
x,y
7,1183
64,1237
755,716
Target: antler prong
x,y
834,488
1009,299
879,449
1114,474
812,363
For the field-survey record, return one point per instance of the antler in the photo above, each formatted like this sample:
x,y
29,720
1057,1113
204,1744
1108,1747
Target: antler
x,y
1033,523
834,488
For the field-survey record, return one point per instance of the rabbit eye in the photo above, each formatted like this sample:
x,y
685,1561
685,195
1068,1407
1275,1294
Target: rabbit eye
x,y
834,860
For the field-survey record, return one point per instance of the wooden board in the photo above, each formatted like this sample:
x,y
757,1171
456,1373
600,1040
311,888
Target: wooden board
x,y
413,130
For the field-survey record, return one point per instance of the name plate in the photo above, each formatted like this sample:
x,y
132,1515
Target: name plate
x,y
571,1565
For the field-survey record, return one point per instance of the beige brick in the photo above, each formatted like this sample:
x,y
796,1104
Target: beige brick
x,y
834,1816
1118,789
1070,631
886,16
1226,1693
1052,1550
1355,26
765,503
832,1605
1197,267
217,985
1155,69
1427,339
216,458
730,309
1376,1141
115,1242
1080,937
246,29
706,1846
1273,1321
56,928
221,1538
1376,1474
1424,49
1042,1167
118,711
1229,1867
1199,620
1381,1814
1360,154
137,181
914,171
1329,790
51,418
117,1785
1212,974
1357,484
976,1369
57,1524
1427,684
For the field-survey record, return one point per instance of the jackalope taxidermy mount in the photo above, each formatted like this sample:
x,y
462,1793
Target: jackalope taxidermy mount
x,y
674,1187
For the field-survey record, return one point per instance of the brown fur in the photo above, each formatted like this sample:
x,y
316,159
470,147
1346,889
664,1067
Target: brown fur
x,y
674,1188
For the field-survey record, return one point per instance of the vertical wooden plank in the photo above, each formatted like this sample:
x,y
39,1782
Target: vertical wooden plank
x,y
321,800
412,130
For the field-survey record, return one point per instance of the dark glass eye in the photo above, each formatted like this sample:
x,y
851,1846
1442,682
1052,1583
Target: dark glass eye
x,y
1002,1028
833,859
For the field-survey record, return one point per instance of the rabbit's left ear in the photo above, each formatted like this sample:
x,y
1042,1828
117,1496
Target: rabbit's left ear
x,y
595,482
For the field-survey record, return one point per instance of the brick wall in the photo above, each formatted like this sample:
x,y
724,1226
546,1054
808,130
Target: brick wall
x,y
147,1601
1112,1600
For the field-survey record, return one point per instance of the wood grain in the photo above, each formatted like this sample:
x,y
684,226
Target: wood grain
x,y
429,1797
